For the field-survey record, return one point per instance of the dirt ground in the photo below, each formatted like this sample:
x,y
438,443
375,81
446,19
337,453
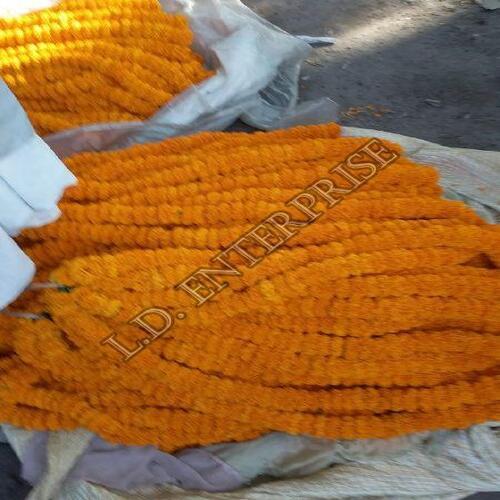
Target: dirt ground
x,y
428,68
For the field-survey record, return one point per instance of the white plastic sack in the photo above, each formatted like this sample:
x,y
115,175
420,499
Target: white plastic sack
x,y
430,466
257,67
32,181
470,175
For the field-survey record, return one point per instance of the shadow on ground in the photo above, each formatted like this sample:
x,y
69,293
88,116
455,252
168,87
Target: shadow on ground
x,y
433,66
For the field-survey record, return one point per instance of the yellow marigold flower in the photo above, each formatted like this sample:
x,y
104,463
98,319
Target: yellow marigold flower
x,y
379,318
123,59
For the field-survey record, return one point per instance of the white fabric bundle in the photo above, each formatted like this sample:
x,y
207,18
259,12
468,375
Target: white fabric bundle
x,y
32,181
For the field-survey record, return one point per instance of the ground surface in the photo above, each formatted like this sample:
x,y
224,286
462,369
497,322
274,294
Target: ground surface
x,y
428,68
433,65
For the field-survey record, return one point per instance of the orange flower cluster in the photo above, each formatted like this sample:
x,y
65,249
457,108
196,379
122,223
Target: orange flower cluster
x,y
378,319
84,62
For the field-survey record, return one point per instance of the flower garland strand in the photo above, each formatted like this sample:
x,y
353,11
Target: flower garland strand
x,y
380,318
99,61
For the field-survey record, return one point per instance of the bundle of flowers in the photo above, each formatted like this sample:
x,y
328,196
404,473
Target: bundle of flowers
x,y
93,61
371,311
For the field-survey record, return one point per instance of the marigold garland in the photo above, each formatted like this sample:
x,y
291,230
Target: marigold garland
x,y
380,318
83,62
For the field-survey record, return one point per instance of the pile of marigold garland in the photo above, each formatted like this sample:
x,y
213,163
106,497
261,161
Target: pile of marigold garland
x,y
91,61
380,318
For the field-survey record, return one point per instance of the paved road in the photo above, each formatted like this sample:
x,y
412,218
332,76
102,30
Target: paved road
x,y
434,65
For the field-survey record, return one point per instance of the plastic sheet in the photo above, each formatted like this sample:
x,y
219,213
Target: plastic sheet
x,y
470,175
428,466
256,80
23,158
32,181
